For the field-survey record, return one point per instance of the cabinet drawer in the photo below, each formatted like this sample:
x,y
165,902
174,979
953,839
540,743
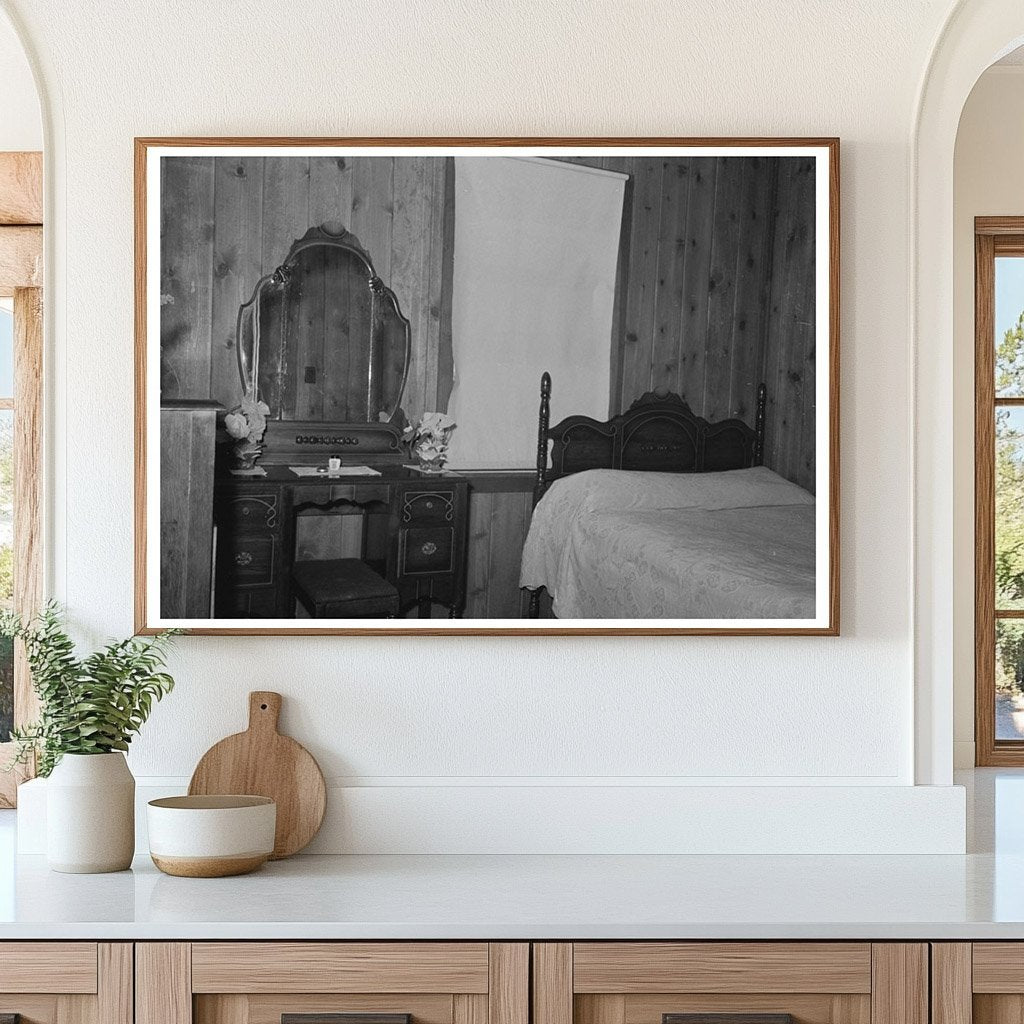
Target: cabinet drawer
x,y
979,983
251,512
333,982
730,983
427,549
340,967
249,560
66,982
433,506
247,603
69,967
722,967
998,967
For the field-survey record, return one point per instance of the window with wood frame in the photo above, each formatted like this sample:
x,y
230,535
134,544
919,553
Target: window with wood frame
x,y
21,363
999,490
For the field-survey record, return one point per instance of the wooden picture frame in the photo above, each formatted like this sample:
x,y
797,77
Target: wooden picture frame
x,y
421,571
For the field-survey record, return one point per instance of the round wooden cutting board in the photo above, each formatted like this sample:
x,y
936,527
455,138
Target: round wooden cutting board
x,y
262,762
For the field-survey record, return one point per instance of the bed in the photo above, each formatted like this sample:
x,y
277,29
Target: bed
x,y
660,514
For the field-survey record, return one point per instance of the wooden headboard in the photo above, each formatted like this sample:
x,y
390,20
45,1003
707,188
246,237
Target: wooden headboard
x,y
658,432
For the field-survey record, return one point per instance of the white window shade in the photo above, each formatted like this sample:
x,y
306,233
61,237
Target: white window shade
x,y
536,248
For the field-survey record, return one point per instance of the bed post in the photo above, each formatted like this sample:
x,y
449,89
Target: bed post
x,y
762,401
540,484
543,422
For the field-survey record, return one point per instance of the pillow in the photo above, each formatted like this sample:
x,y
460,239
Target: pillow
x,y
622,490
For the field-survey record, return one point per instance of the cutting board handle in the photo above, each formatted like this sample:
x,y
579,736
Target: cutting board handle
x,y
264,710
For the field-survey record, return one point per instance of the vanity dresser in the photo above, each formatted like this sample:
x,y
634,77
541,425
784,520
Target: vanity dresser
x,y
324,356
414,531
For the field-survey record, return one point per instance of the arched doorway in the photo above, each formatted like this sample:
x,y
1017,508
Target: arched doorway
x,y
977,33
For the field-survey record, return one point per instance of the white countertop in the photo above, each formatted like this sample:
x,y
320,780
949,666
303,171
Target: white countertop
x,y
977,896
496,897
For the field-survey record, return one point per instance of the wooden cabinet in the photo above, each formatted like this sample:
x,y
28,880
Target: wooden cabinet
x,y
66,982
429,524
494,983
412,529
758,982
264,982
980,982
252,570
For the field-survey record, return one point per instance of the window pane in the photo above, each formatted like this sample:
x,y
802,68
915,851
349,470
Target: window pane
x,y
6,349
1009,679
1009,324
6,566
1009,508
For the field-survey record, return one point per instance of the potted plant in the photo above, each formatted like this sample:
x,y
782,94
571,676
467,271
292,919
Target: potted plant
x,y
428,440
247,423
90,708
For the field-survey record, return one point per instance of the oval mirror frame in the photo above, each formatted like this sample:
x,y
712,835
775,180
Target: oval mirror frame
x,y
248,334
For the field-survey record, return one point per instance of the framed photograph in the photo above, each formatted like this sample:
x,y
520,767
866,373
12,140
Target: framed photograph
x,y
497,386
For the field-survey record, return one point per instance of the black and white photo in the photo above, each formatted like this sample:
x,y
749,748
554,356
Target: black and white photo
x,y
442,387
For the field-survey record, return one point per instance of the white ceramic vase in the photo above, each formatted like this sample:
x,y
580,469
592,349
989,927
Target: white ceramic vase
x,y
90,814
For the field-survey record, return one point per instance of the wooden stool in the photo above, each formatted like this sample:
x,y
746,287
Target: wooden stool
x,y
343,588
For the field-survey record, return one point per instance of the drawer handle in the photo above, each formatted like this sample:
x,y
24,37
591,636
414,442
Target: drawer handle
x,y
243,558
430,548
726,1018
346,1018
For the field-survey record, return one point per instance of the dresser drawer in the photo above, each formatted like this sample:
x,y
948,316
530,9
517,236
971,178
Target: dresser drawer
x,y
432,506
426,549
259,511
249,561
247,603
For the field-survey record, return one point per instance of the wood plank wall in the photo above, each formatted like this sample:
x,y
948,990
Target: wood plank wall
x,y
186,510
716,289
226,221
498,522
789,358
716,292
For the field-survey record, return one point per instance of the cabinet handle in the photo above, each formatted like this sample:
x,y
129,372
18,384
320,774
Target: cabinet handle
x,y
429,548
345,1018
726,1018
242,558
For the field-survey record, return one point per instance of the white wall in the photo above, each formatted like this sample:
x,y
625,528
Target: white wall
x,y
987,181
451,713
20,124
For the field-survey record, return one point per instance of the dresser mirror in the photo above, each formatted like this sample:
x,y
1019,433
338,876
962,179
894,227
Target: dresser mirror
x,y
323,336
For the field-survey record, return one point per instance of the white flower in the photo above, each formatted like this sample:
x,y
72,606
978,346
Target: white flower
x,y
436,423
236,425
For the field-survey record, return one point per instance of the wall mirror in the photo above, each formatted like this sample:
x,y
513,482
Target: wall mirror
x,y
323,336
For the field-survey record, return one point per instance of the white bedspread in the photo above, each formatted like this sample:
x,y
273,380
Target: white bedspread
x,y
623,545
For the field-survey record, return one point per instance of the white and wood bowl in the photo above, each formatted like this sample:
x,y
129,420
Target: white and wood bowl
x,y
211,836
